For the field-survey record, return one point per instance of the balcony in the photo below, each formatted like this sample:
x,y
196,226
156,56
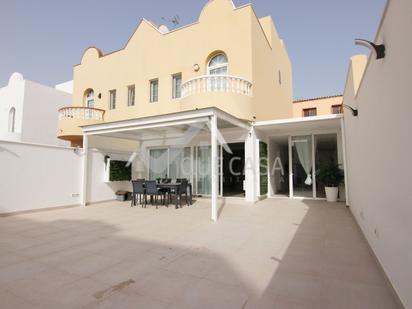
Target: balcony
x,y
71,118
229,93
216,83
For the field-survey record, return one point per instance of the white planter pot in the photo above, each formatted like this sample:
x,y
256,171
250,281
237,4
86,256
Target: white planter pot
x,y
331,194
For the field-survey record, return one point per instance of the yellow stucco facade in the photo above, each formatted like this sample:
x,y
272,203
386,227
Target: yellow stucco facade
x,y
258,86
323,106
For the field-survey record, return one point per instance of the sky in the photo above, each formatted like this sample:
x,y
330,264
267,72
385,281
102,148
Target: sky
x,y
43,39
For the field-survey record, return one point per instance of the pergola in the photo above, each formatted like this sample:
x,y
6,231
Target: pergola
x,y
174,125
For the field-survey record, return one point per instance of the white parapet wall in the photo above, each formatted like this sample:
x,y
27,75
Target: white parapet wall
x,y
36,176
379,149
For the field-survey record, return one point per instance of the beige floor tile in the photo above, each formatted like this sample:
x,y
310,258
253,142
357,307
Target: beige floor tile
x,y
28,268
121,300
296,286
209,294
88,265
343,294
165,285
11,301
193,264
277,253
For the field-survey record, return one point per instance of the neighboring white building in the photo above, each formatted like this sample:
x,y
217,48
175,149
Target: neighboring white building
x,y
378,146
28,110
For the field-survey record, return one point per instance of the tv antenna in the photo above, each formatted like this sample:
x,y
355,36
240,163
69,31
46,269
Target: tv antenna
x,y
175,20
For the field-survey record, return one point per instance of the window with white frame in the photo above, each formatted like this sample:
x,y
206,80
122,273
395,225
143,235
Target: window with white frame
x,y
112,99
154,90
176,85
130,95
89,98
12,119
217,67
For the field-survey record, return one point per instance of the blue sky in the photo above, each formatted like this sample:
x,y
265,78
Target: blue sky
x,y
43,39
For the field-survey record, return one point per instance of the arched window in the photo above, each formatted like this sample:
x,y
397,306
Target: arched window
x,y
12,119
89,98
218,65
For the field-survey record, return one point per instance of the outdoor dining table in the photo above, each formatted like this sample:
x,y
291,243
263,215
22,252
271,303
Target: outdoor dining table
x,y
176,186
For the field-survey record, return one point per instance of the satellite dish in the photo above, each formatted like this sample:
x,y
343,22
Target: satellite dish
x,y
163,29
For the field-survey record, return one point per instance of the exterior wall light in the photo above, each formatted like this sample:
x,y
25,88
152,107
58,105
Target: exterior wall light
x,y
353,110
196,67
379,50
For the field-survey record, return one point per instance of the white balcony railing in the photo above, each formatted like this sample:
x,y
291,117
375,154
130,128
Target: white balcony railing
x,y
78,112
216,83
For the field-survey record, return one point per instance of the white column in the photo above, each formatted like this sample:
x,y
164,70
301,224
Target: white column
x,y
313,167
84,171
214,174
342,128
251,180
290,167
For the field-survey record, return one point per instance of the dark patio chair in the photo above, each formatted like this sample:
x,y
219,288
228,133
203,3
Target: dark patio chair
x,y
183,190
166,191
153,192
138,193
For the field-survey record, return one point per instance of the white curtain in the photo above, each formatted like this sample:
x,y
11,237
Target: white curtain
x,y
303,146
180,163
158,163
204,170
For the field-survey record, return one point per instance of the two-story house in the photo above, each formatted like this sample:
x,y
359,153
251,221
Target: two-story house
x,y
209,101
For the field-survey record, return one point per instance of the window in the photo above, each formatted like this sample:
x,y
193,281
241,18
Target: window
x,y
112,99
154,90
177,85
218,65
130,95
89,98
308,112
336,109
12,119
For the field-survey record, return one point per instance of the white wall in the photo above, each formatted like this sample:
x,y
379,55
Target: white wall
x,y
66,86
36,111
98,190
379,150
40,113
12,95
35,176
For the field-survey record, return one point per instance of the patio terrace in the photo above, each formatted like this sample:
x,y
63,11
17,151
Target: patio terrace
x,y
278,253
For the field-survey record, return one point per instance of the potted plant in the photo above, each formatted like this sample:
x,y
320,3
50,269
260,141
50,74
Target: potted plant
x,y
331,176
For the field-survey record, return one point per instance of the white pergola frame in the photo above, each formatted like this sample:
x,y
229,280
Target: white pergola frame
x,y
210,115
313,119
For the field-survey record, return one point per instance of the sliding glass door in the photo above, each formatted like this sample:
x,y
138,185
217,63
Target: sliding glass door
x,y
203,170
180,165
307,154
302,166
193,163
158,163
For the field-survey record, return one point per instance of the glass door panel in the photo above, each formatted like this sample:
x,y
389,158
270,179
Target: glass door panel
x,y
158,163
302,166
326,151
203,170
180,165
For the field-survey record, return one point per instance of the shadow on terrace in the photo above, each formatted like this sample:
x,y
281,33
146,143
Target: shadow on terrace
x,y
276,254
